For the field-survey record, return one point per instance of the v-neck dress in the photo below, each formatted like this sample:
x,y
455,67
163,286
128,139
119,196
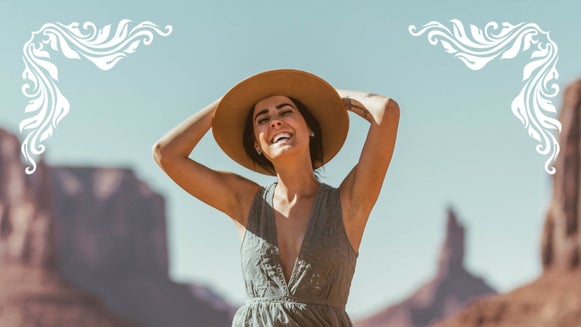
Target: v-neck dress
x,y
317,290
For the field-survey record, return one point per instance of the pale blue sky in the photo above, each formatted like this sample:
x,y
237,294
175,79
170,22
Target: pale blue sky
x,y
458,142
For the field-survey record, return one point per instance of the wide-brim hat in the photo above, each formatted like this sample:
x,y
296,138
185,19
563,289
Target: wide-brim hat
x,y
318,96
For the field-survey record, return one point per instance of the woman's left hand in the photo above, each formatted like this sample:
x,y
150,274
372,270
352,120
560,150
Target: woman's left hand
x,y
369,106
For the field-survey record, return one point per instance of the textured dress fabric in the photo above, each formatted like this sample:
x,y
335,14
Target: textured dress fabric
x,y
317,290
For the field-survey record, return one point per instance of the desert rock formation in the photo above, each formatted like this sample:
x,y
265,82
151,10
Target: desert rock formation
x,y
85,246
554,299
32,294
448,292
561,242
111,235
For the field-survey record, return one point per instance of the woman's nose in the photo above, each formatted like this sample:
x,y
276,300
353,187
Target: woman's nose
x,y
275,123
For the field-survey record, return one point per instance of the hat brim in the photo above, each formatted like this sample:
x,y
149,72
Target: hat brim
x,y
320,98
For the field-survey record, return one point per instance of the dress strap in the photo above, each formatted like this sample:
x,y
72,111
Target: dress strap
x,y
258,224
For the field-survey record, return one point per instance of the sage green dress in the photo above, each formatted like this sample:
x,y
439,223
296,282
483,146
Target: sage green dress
x,y
317,290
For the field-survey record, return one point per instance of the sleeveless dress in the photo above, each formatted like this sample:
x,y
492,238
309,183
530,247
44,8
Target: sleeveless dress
x,y
317,291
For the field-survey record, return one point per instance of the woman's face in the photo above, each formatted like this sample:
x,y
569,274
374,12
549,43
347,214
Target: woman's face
x,y
279,128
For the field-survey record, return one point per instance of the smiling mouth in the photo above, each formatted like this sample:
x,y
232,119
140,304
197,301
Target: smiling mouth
x,y
281,137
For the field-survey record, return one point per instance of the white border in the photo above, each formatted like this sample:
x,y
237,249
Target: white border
x,y
533,104
47,105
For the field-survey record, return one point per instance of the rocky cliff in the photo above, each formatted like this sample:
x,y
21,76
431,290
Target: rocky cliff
x,y
111,235
32,294
25,210
561,240
448,292
554,299
85,246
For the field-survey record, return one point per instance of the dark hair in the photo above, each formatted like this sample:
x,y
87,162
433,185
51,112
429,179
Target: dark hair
x,y
315,145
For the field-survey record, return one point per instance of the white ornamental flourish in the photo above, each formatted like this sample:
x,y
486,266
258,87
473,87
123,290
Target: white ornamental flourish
x,y
103,47
533,105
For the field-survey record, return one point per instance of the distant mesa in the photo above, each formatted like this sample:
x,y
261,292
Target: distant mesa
x,y
449,291
32,292
87,246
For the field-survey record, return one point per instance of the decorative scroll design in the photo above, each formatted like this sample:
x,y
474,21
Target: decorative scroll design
x,y
47,105
477,47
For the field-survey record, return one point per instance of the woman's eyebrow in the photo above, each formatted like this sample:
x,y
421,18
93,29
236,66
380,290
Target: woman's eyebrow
x,y
278,107
283,104
264,111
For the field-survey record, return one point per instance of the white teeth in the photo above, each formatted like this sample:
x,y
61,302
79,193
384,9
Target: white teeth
x,y
281,136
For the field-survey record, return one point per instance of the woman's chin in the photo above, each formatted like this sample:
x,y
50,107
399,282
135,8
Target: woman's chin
x,y
285,152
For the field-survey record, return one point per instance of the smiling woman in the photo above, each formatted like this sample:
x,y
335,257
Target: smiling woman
x,y
315,144
300,237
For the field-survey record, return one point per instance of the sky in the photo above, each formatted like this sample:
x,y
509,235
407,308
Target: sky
x,y
459,145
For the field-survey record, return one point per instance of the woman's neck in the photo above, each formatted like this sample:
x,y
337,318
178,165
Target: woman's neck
x,y
295,181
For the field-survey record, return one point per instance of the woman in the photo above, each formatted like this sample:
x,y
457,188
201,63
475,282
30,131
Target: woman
x,y
300,238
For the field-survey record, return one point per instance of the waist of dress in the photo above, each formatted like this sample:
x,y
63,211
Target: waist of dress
x,y
294,300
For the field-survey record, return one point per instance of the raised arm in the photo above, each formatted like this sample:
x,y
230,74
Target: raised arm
x,y
224,191
360,189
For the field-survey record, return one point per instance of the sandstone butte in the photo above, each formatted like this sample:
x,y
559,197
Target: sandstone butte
x,y
32,292
443,295
86,246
